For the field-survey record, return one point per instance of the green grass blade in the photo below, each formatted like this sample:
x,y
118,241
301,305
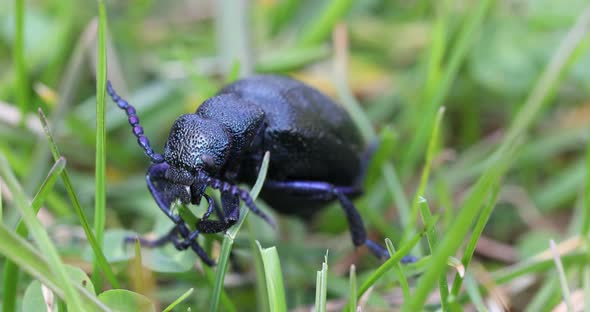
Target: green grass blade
x,y
274,278
397,192
502,157
100,163
465,38
1,209
418,197
11,270
321,28
420,204
475,235
291,58
96,248
39,234
457,232
230,235
19,58
474,294
321,287
399,272
21,252
565,291
389,264
353,293
535,265
437,49
225,302
261,293
586,211
179,300
586,286
571,47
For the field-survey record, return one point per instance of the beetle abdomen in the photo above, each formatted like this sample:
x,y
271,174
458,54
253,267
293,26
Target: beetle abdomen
x,y
309,136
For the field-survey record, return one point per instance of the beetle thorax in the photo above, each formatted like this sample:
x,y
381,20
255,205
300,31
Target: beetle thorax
x,y
197,144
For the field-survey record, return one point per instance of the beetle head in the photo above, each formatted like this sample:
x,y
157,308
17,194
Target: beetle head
x,y
195,145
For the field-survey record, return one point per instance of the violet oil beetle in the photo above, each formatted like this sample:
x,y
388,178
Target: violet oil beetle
x,y
316,156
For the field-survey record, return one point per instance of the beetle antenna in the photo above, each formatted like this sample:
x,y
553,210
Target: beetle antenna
x,y
143,141
235,190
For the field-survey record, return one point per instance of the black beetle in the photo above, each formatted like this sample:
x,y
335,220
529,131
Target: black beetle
x,y
317,156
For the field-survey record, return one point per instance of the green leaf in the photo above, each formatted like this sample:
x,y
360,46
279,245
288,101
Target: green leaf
x,y
33,300
28,259
106,269
179,300
100,157
38,232
321,286
274,278
122,300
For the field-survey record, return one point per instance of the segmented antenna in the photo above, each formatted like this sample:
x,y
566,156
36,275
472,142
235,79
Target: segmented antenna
x,y
143,141
236,191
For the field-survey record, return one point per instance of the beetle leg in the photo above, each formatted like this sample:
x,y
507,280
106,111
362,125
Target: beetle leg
x,y
164,192
231,207
329,191
153,243
226,187
211,206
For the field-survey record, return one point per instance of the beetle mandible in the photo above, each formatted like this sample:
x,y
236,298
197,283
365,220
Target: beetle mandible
x,y
316,156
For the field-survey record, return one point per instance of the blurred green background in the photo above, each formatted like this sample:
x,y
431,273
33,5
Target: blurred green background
x,y
479,59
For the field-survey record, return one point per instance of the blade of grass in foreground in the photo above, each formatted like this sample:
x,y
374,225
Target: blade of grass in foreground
x,y
457,232
0,203
179,300
398,271
321,286
226,304
261,293
104,265
352,297
38,232
562,278
17,249
390,263
230,235
11,270
421,190
501,159
477,231
274,278
100,166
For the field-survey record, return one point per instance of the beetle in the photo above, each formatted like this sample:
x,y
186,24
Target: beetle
x,y
316,156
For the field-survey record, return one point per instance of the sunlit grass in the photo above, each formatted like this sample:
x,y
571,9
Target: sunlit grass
x,y
434,189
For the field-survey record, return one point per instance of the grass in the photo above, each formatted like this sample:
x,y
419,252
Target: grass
x,y
19,57
504,171
100,163
230,235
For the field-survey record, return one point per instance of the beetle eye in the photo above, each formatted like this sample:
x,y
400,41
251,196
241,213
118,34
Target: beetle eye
x,y
208,162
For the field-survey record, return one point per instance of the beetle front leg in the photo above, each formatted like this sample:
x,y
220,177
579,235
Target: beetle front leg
x,y
164,193
328,191
231,208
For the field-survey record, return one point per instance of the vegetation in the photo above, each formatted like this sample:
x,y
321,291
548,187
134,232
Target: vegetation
x,y
481,109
